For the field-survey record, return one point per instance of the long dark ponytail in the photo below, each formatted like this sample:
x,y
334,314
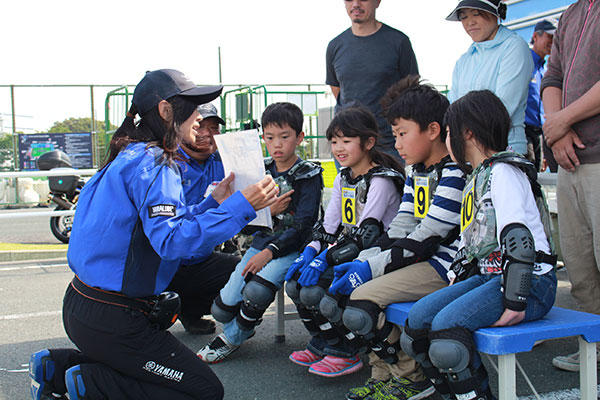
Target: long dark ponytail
x,y
152,129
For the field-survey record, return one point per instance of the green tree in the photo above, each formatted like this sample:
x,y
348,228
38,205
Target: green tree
x,y
6,151
73,125
77,125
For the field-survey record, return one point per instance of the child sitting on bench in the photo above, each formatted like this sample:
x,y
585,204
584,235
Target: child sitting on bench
x,y
505,263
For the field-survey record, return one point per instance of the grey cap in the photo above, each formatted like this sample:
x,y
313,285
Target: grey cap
x,y
209,111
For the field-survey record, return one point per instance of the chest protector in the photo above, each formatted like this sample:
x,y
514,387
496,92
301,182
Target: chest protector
x,y
355,191
286,182
478,217
425,182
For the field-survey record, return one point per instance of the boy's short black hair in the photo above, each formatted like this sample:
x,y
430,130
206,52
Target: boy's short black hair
x,y
283,113
413,100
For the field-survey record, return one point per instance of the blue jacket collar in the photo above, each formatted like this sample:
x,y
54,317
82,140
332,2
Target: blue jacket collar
x,y
537,60
190,160
501,36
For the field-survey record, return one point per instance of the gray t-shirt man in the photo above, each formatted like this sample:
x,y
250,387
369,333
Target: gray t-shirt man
x,y
364,67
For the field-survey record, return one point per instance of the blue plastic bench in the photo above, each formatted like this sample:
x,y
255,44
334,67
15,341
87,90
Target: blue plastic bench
x,y
506,341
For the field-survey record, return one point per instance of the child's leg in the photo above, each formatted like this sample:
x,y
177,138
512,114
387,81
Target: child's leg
x,y
227,303
242,304
257,295
224,309
365,316
415,340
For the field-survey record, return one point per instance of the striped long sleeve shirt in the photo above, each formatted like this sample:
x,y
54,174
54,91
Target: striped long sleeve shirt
x,y
442,217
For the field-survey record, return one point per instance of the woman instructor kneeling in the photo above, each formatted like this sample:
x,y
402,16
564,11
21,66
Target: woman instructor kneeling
x,y
131,228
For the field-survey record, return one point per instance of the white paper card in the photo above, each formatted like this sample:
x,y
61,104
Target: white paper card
x,y
241,154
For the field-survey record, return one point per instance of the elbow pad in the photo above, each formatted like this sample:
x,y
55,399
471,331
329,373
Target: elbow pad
x,y
421,251
320,234
349,246
518,258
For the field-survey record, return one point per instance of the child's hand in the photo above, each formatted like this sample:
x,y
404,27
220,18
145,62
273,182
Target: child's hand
x,y
282,203
510,317
257,262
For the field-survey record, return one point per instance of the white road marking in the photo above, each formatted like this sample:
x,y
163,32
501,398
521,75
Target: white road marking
x,y
30,315
2,269
568,394
15,370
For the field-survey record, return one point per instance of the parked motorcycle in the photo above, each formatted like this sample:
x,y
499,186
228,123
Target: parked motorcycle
x,y
64,191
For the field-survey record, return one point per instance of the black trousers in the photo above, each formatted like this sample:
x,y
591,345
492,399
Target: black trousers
x,y
199,284
123,356
533,135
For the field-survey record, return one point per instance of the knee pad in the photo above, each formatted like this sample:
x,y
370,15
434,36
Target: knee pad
x,y
330,308
311,296
293,291
415,343
361,316
223,312
257,295
451,349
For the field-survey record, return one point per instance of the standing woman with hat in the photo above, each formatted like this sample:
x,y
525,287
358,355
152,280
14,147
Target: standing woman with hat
x,y
498,60
131,230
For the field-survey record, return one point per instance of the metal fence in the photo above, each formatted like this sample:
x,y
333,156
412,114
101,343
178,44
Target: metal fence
x,y
34,108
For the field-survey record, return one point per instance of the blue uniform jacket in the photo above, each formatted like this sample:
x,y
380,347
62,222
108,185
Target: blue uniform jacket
x,y
132,226
534,113
196,177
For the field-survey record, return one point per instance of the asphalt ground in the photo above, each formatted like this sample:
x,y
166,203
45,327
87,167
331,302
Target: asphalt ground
x,y
27,230
31,296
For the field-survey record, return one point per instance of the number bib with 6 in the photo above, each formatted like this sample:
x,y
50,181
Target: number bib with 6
x,y
349,206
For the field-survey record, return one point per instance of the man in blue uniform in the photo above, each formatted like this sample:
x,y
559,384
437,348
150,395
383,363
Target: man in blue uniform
x,y
534,113
202,168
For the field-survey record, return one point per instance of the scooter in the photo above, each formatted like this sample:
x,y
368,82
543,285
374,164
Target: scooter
x,y
64,191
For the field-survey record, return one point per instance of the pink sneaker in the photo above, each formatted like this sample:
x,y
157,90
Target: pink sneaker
x,y
304,357
332,367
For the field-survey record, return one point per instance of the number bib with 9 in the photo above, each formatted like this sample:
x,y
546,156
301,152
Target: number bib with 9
x,y
421,196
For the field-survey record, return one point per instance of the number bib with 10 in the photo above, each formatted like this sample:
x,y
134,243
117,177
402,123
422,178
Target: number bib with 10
x,y
467,207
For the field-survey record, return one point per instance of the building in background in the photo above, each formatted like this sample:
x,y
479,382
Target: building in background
x,y
522,15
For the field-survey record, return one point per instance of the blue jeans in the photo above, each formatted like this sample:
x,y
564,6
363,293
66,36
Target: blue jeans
x,y
477,303
231,294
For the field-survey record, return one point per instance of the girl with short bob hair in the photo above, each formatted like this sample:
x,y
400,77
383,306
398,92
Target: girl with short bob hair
x,y
503,272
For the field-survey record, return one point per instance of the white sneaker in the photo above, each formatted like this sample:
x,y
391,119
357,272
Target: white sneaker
x,y
570,362
216,350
